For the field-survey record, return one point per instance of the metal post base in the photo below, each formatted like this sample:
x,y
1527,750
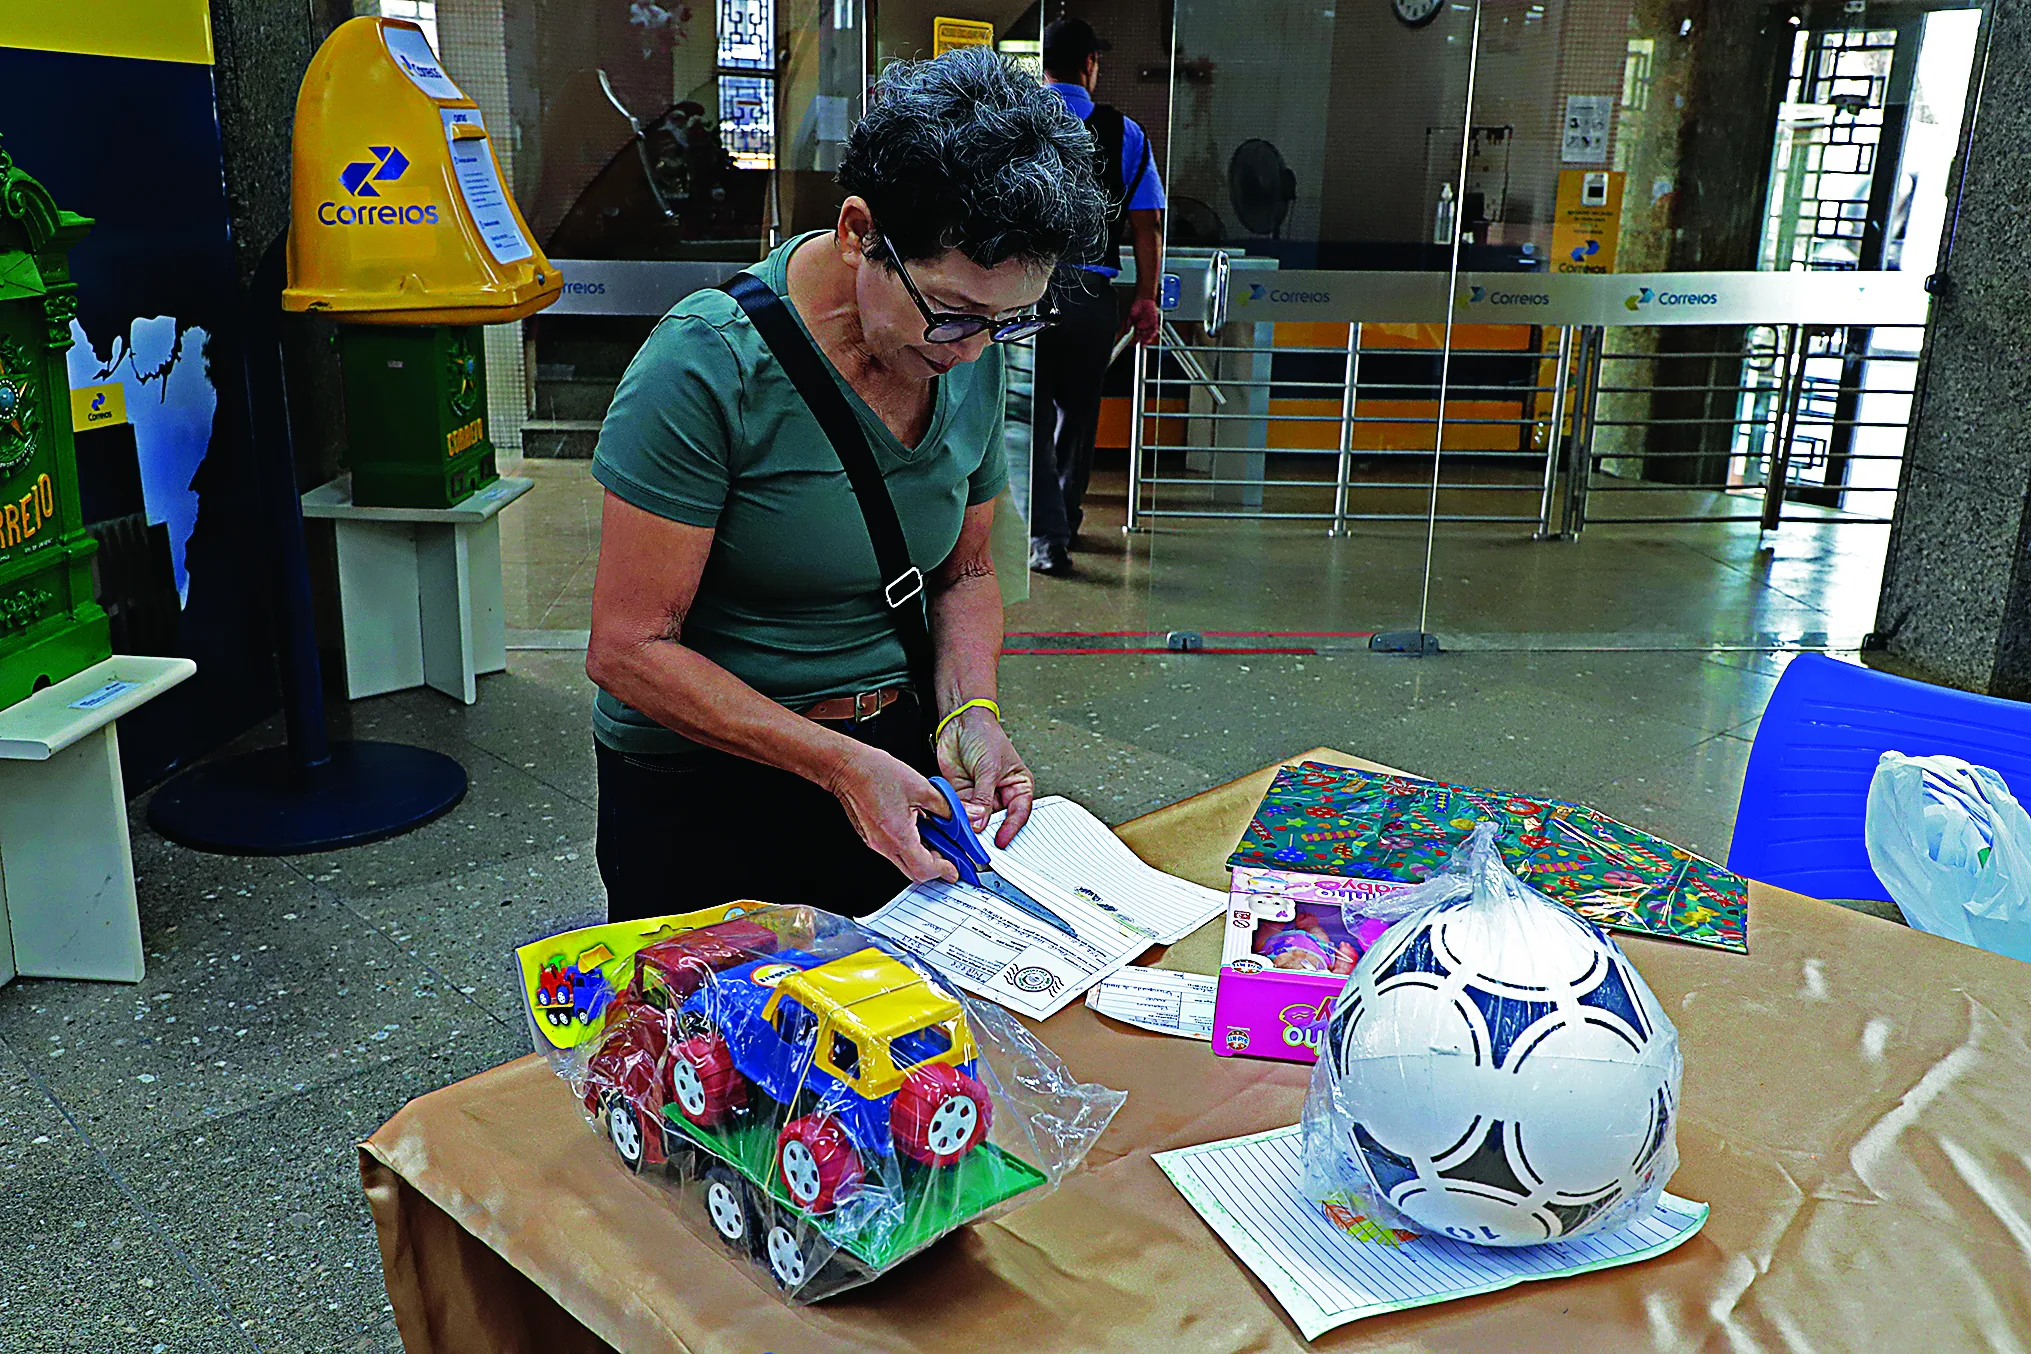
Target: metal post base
x,y
1416,643
263,804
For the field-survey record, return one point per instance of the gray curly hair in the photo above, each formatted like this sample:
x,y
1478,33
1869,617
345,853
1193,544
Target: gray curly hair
x,y
969,152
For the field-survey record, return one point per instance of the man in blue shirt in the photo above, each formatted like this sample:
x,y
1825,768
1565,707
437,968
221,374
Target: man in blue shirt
x,y
1072,355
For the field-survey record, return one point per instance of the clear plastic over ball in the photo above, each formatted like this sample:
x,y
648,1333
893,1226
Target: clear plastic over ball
x,y
1495,1070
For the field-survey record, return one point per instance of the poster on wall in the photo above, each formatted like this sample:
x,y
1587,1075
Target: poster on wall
x,y
1588,122
163,482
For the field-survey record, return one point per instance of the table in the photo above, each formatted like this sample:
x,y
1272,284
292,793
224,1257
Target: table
x,y
1853,1109
67,904
419,589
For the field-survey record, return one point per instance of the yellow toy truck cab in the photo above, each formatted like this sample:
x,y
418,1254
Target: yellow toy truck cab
x,y
877,1020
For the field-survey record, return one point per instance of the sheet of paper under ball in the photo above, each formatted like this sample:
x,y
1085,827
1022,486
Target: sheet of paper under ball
x,y
1328,1265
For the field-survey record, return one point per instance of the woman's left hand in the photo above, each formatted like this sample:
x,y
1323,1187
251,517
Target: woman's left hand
x,y
975,755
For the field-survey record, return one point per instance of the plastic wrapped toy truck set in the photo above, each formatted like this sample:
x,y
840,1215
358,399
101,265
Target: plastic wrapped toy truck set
x,y
828,1105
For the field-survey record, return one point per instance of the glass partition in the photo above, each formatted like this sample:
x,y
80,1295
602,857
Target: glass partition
x,y
1275,450
1718,391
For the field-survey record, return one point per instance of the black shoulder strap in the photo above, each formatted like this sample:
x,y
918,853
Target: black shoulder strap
x,y
903,590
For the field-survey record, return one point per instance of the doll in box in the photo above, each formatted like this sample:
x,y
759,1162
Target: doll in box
x,y
1302,946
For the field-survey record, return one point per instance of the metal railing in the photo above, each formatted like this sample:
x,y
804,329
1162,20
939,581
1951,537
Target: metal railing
x,y
1796,407
1192,458
1781,430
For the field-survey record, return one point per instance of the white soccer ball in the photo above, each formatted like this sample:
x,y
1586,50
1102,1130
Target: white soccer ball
x,y
1503,1075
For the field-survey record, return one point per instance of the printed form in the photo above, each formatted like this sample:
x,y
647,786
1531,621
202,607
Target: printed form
x,y
1066,859
1158,999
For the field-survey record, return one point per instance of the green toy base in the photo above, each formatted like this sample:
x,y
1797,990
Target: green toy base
x,y
65,648
937,1199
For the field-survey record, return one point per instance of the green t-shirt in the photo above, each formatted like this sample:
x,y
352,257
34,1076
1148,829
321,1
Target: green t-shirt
x,y
706,429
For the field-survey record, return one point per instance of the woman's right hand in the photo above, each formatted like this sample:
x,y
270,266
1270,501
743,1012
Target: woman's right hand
x,y
881,795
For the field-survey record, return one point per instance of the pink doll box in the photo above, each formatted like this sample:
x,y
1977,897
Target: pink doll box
x,y
1287,954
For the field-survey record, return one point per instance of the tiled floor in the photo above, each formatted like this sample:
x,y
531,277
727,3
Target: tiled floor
x,y
181,1152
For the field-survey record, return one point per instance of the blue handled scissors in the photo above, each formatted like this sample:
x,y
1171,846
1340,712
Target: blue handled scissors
x,y
954,839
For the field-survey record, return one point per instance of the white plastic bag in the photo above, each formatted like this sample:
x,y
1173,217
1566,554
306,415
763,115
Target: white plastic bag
x,y
1953,847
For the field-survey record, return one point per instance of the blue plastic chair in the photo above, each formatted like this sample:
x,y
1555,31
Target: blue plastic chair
x,y
1799,822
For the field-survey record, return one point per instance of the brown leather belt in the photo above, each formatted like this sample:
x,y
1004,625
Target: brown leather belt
x,y
857,708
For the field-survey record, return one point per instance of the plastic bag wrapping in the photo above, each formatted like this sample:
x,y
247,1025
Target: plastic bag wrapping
x,y
1495,1070
1953,847
826,1104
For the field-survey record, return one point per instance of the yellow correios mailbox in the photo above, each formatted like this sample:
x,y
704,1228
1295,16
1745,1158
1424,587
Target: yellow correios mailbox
x,y
401,228
398,214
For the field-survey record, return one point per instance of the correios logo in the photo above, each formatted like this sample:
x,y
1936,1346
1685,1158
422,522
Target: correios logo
x,y
1645,296
421,70
1484,296
358,179
1264,291
388,164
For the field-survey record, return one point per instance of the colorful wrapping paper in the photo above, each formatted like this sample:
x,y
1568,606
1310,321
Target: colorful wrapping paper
x,y
1337,820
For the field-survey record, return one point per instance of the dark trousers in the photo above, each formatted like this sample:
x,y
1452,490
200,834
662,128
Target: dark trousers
x,y
1065,405
693,829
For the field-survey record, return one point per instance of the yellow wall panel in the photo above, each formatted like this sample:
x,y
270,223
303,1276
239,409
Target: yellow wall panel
x,y
156,30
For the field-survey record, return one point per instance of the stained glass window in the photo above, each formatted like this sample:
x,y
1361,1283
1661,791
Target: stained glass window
x,y
747,103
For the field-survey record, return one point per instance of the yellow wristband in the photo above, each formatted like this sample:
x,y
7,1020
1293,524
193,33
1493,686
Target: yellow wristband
x,y
980,701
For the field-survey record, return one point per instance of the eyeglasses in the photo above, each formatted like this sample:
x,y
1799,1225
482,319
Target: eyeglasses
x,y
951,326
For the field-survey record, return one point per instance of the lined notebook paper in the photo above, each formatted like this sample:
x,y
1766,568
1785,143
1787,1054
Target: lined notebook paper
x,y
1248,1191
1063,849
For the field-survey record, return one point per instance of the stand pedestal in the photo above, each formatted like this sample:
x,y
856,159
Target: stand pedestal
x,y
419,589
67,903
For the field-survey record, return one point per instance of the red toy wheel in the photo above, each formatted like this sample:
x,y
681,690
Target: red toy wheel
x,y
939,1115
704,1084
629,1059
817,1162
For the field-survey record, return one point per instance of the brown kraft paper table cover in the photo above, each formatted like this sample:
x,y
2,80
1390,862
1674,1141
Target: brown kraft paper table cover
x,y
1854,1108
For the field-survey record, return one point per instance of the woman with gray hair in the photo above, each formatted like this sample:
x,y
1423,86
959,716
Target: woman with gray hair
x,y
772,698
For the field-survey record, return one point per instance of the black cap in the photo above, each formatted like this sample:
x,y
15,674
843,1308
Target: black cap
x,y
1067,44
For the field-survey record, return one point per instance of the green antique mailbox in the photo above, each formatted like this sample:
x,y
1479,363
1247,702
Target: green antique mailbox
x,y
416,407
50,626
